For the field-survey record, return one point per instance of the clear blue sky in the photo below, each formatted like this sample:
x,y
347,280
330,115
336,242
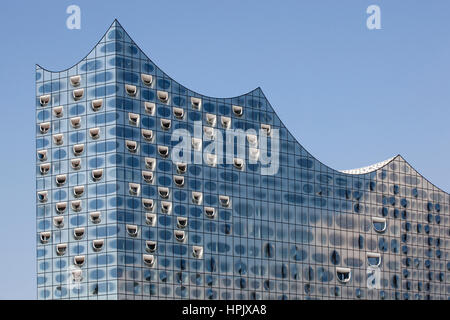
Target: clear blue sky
x,y
351,96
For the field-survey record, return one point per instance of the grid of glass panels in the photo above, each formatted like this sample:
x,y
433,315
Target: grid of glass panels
x,y
307,232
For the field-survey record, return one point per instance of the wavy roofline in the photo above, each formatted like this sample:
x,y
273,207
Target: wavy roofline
x,y
146,56
193,91
423,177
376,166
325,165
93,48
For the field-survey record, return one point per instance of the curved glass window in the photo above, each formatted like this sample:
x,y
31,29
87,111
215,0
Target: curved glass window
x,y
437,207
396,189
361,242
416,263
383,245
404,203
308,289
335,257
438,219
309,274
343,274
407,226
404,214
419,228
405,249
405,273
373,259
395,281
396,213
408,262
337,291
438,254
379,224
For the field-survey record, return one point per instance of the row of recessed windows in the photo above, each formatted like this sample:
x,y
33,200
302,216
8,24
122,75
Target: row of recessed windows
x,y
131,90
414,192
150,108
97,245
149,136
395,213
77,149
76,124
132,230
134,190
132,147
77,94
211,159
61,179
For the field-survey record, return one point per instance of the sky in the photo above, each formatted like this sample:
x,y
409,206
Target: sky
x,y
350,95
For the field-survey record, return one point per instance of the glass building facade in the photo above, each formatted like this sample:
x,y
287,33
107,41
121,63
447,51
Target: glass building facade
x,y
117,218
